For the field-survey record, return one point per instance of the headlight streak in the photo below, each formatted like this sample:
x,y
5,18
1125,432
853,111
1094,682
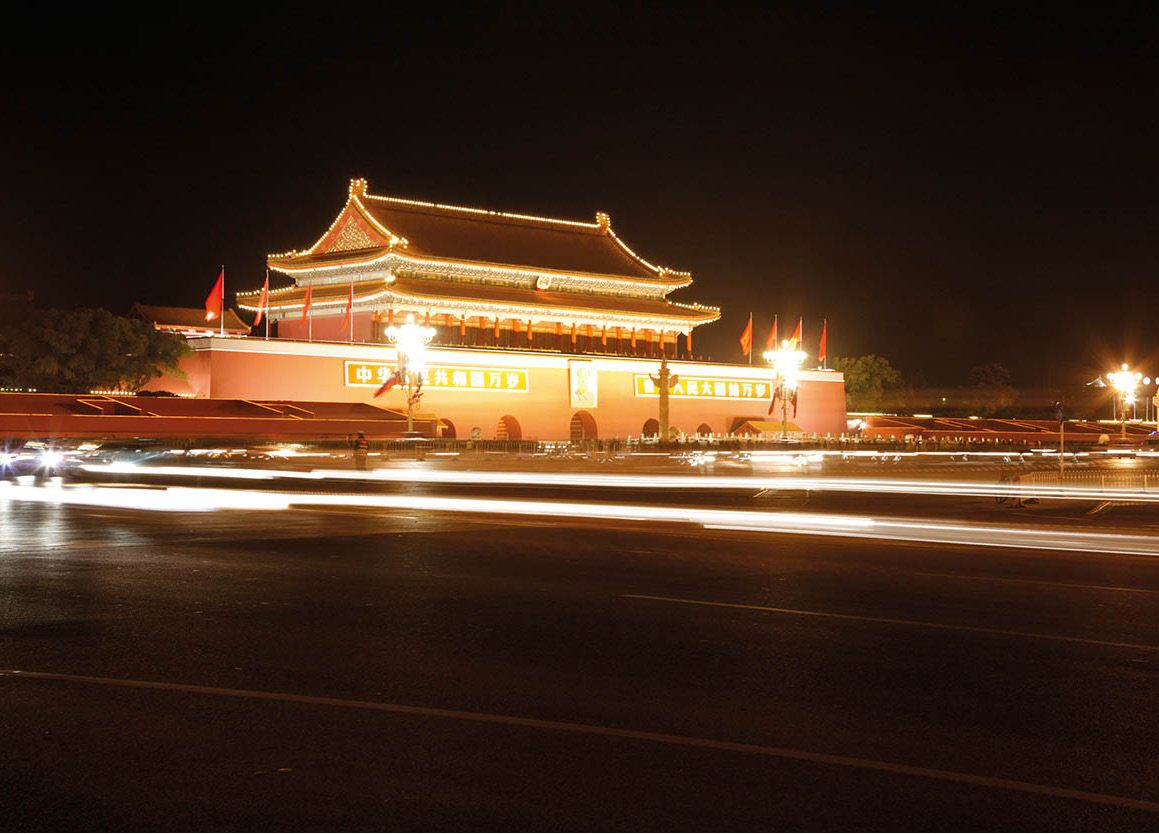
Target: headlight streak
x,y
185,499
231,472
751,483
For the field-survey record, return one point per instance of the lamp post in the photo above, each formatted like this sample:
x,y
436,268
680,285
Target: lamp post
x,y
411,340
1124,382
786,362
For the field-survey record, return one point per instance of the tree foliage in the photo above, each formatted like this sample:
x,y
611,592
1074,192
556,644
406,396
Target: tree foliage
x,y
992,392
867,379
76,351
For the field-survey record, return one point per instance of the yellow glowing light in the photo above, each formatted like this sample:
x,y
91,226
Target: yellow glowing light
x,y
412,341
786,361
1124,381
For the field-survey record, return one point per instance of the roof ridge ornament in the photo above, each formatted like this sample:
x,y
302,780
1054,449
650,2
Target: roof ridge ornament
x,y
358,187
603,220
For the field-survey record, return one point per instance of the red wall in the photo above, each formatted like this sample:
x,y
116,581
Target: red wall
x,y
258,369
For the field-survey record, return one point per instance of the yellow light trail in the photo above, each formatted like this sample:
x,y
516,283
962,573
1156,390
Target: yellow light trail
x,y
934,531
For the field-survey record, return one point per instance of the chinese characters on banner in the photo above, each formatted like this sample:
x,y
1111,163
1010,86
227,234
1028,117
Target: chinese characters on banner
x,y
373,374
711,388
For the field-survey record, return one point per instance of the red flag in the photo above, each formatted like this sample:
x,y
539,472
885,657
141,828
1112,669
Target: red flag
x,y
771,342
746,338
263,300
821,350
216,298
773,401
392,381
795,339
349,307
306,302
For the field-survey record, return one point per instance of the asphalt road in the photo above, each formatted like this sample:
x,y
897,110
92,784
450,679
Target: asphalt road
x,y
311,669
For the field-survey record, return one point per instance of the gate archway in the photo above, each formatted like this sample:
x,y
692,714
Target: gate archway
x,y
508,428
583,427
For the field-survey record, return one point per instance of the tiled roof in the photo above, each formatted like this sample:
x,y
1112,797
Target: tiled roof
x,y
328,294
188,318
488,237
499,239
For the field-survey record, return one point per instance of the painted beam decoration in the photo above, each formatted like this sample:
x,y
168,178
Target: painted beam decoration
x,y
712,388
373,374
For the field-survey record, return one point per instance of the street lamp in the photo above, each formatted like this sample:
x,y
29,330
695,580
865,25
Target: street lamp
x,y
786,362
411,340
1124,382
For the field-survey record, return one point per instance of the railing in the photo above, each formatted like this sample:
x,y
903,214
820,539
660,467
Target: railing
x,y
1094,479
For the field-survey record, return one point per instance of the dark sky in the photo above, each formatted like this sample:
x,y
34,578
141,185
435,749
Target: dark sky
x,y
945,193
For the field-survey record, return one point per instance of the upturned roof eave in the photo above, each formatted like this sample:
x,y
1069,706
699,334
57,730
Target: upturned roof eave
x,y
298,264
293,297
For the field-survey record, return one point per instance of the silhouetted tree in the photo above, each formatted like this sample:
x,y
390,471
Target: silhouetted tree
x,y
75,351
992,392
867,378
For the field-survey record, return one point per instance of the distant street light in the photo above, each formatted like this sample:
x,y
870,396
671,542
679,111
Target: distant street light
x,y
1124,382
411,340
786,362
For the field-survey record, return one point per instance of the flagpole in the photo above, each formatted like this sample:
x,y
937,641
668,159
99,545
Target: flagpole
x,y
750,339
825,330
267,311
222,331
352,310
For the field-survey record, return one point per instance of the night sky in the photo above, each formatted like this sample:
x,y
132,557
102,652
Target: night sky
x,y
945,194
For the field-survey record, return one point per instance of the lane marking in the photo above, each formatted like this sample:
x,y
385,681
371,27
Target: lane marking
x,y
613,732
890,621
1041,582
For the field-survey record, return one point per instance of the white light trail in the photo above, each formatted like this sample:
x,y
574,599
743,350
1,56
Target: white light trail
x,y
824,524
230,472
750,483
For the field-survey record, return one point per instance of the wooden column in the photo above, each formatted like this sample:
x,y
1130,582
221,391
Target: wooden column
x,y
633,338
496,328
559,335
462,327
529,332
573,334
604,336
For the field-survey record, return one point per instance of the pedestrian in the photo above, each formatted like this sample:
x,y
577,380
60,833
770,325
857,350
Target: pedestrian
x,y
361,450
